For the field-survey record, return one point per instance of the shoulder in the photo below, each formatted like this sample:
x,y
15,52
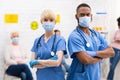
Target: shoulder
x,y
8,46
37,39
94,31
59,38
117,31
74,35
98,34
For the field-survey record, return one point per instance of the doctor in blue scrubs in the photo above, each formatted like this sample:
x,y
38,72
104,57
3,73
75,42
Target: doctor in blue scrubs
x,y
48,50
87,48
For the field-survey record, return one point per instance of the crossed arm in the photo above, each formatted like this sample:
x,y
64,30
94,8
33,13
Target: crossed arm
x,y
48,62
87,58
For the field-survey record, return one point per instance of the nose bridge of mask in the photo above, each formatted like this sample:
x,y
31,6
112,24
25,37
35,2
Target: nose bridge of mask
x,y
85,18
48,23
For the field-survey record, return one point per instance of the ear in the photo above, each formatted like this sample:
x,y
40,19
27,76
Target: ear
x,y
76,17
41,21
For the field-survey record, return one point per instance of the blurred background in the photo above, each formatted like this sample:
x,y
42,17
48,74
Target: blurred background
x,y
24,16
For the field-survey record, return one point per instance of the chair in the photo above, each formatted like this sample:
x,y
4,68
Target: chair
x,y
9,77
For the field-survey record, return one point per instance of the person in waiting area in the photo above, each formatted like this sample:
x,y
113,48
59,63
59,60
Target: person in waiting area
x,y
116,46
16,59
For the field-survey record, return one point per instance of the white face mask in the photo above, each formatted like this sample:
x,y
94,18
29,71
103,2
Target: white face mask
x,y
15,40
48,26
84,21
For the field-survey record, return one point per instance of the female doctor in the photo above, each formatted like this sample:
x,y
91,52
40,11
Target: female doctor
x,y
48,50
87,47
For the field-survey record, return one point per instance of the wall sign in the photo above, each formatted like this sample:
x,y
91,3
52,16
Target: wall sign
x,y
11,18
34,25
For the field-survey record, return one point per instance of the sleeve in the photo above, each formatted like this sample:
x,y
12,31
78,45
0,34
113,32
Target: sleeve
x,y
117,36
114,37
103,42
34,47
61,45
91,53
75,45
26,56
8,58
66,56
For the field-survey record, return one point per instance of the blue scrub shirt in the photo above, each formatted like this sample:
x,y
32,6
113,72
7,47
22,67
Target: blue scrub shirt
x,y
77,43
43,52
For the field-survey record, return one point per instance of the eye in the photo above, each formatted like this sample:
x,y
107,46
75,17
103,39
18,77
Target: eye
x,y
45,20
88,14
51,20
82,14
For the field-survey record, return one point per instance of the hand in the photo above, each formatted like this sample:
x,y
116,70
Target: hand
x,y
19,62
33,62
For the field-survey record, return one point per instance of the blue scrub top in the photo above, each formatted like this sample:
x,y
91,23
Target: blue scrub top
x,y
43,52
77,43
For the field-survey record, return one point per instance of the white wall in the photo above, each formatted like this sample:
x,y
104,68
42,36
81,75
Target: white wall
x,y
29,10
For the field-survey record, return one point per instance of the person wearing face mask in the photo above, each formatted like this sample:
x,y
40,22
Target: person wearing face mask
x,y
16,59
87,48
116,46
48,50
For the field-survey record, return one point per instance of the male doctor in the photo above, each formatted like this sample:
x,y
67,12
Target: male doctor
x,y
87,48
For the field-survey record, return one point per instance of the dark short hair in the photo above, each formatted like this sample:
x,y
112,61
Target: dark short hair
x,y
82,5
118,20
56,30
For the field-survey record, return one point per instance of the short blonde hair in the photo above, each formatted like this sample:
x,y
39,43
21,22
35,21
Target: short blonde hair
x,y
14,34
47,13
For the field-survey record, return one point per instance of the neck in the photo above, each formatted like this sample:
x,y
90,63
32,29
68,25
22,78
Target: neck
x,y
85,30
15,44
48,34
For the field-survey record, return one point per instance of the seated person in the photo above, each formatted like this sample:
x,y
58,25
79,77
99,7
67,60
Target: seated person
x,y
16,59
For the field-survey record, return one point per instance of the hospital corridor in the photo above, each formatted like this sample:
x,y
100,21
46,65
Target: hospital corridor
x,y
59,40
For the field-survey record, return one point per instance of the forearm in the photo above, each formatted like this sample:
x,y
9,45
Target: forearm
x,y
39,66
11,62
108,52
86,59
53,61
49,62
91,60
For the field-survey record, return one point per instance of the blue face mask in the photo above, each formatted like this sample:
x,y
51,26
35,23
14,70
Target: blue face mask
x,y
84,21
48,26
15,40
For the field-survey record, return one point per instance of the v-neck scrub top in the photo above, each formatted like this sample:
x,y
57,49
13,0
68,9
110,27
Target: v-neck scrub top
x,y
43,52
77,43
